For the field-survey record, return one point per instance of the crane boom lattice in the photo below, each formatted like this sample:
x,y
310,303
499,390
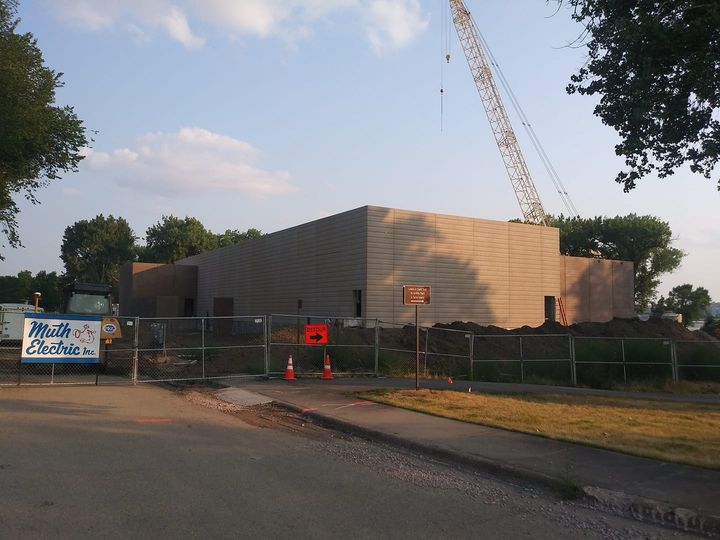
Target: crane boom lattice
x,y
527,196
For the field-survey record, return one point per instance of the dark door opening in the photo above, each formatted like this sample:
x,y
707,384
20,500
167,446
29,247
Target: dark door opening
x,y
189,307
357,298
550,308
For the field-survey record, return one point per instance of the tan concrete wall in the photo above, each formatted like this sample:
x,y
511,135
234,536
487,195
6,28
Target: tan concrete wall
x,y
146,289
320,262
596,290
489,272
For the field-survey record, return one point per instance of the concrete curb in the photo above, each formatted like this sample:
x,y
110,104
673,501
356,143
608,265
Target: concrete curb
x,y
614,502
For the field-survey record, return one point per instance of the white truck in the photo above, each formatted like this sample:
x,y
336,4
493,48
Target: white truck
x,y
12,317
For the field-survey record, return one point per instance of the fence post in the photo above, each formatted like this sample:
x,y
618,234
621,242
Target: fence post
x,y
522,367
573,364
269,342
427,338
377,347
202,344
472,348
136,344
673,359
622,346
266,345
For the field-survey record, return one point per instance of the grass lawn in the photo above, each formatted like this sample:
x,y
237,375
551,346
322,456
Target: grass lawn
x,y
672,431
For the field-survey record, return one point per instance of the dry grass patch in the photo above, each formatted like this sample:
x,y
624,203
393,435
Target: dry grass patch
x,y
669,387
672,431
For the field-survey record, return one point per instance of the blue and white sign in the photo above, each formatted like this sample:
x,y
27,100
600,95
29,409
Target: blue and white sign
x,y
49,338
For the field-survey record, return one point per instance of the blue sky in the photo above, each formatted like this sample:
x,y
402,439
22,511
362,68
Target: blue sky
x,y
271,113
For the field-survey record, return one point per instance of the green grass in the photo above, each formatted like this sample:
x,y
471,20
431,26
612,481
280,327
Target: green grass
x,y
672,431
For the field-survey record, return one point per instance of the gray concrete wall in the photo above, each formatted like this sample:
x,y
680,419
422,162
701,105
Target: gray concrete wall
x,y
320,262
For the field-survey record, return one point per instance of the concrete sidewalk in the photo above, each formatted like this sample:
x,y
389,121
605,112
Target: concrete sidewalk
x,y
678,495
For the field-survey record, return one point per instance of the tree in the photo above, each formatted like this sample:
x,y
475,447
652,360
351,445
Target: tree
x,y
643,240
21,288
94,250
49,285
656,67
231,237
173,238
691,303
16,289
38,140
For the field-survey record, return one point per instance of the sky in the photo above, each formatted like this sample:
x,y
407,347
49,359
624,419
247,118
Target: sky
x,y
272,113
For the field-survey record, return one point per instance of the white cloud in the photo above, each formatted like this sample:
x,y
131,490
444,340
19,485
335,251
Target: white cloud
x,y
388,24
191,161
394,23
177,26
137,17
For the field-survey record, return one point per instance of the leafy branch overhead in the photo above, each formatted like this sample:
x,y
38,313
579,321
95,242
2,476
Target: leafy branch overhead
x,y
656,67
38,140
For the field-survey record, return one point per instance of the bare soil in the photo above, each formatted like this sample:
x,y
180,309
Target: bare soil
x,y
652,328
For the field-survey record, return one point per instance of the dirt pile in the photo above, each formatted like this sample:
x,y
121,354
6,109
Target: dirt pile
x,y
713,329
652,328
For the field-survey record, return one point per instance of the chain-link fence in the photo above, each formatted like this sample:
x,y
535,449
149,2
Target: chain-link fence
x,y
604,361
443,352
181,348
351,345
697,360
167,349
542,358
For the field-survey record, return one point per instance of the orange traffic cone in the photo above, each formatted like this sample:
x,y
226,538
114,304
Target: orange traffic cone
x,y
289,370
327,372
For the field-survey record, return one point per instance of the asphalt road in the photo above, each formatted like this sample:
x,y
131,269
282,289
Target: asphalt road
x,y
147,462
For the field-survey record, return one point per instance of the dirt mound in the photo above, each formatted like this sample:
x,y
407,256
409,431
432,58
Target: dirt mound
x,y
652,328
713,329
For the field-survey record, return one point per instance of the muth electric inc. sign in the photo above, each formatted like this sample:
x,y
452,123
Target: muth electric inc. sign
x,y
53,339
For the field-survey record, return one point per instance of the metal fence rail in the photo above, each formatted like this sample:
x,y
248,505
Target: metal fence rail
x,y
190,348
186,348
352,345
521,358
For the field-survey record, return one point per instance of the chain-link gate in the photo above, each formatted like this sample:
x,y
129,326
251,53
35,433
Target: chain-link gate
x,y
352,345
183,348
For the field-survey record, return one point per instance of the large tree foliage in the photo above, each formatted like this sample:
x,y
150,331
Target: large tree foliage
x,y
233,236
656,67
94,250
21,288
690,302
173,238
38,140
643,240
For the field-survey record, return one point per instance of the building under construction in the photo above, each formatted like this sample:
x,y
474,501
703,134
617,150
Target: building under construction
x,y
354,264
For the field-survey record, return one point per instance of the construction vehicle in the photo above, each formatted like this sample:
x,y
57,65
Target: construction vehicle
x,y
517,169
87,299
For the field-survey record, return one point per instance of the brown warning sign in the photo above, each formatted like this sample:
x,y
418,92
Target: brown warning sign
x,y
416,294
316,334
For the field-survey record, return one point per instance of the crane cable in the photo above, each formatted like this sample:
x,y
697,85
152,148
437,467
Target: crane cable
x,y
445,43
534,139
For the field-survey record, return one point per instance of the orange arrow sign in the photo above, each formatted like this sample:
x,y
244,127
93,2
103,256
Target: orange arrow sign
x,y
316,334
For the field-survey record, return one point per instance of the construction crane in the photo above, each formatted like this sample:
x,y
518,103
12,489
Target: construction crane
x,y
522,183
